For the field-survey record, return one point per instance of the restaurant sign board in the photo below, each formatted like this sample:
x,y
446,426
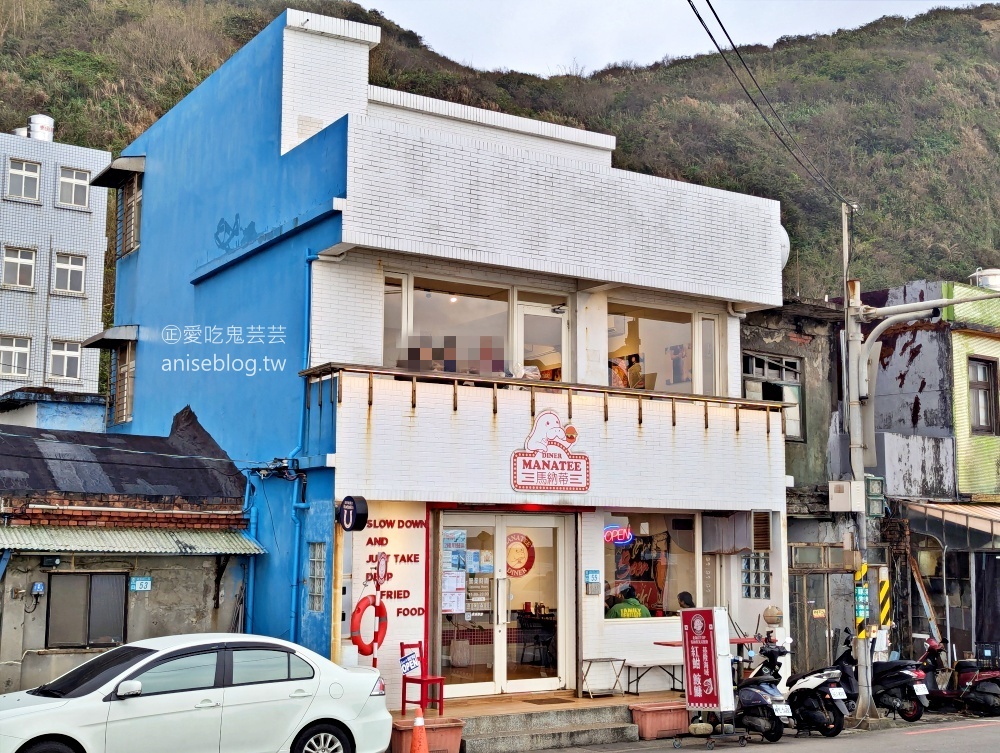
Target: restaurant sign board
x,y
546,463
704,632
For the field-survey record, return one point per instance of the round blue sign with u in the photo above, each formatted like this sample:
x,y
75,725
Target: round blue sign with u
x,y
353,513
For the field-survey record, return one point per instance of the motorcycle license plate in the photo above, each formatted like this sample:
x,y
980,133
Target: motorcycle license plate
x,y
919,688
838,694
781,709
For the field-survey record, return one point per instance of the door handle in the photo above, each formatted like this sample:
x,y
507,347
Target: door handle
x,y
300,694
207,704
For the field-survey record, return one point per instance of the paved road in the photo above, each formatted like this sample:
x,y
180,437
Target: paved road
x,y
934,734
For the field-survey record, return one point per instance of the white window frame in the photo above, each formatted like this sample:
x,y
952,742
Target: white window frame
x,y
8,371
70,267
515,345
74,180
697,316
19,262
24,173
775,357
65,353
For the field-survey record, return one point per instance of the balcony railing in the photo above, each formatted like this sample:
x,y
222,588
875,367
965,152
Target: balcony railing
x,y
533,386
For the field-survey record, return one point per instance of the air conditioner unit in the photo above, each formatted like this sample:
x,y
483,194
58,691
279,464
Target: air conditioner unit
x,y
847,496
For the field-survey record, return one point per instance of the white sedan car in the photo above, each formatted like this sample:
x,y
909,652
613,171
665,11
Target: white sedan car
x,y
217,693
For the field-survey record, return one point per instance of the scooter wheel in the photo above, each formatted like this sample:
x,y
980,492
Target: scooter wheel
x,y
710,745
677,743
743,742
912,710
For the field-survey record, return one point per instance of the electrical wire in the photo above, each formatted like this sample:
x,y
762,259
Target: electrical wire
x,y
812,172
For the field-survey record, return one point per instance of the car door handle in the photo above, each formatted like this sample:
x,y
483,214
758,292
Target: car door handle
x,y
206,704
300,694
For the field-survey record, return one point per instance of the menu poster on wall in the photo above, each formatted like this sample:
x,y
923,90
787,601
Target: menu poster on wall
x,y
472,561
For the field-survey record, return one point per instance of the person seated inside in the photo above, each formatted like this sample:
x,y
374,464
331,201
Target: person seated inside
x,y
686,600
629,606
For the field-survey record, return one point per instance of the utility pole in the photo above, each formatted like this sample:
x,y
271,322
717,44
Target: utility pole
x,y
861,356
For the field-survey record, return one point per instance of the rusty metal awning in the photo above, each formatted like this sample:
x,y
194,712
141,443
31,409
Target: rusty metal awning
x,y
957,526
154,541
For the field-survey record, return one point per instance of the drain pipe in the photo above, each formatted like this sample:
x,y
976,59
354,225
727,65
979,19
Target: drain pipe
x,y
249,508
299,491
733,312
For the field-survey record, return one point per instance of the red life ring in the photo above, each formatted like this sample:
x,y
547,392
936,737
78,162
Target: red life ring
x,y
367,649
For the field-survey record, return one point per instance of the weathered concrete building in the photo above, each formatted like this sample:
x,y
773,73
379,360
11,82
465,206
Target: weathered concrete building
x,y
108,539
938,442
791,354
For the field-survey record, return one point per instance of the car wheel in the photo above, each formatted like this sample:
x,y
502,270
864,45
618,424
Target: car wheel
x,y
322,738
49,746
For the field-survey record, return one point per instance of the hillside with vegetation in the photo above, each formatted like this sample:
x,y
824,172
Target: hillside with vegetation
x,y
902,115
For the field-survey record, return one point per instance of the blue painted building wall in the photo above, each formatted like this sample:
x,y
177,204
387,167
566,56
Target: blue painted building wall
x,y
213,158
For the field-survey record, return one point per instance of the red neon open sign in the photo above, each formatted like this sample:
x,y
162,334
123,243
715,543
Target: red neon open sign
x,y
618,535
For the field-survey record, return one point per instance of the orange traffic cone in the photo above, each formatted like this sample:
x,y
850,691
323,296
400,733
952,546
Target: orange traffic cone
x,y
418,743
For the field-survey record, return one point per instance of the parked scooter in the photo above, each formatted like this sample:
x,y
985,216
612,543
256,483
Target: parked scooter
x,y
897,686
760,706
970,687
816,697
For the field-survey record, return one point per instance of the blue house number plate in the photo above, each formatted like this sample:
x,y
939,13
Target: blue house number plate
x,y
140,583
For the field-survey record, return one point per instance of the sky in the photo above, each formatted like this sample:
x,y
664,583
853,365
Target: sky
x,y
552,37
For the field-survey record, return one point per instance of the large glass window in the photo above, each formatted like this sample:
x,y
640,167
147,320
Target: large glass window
x,y
650,349
776,378
452,327
652,555
982,396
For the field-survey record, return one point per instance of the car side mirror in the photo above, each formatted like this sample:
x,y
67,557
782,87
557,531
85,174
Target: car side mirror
x,y
129,689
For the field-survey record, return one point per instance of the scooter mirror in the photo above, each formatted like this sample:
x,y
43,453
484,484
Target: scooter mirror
x,y
789,641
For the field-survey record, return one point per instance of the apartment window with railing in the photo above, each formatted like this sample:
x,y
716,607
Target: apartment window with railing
x,y
18,268
779,379
317,575
130,214
74,187
15,356
122,384
22,180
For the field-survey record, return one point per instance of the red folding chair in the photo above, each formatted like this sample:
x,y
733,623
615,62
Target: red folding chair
x,y
424,681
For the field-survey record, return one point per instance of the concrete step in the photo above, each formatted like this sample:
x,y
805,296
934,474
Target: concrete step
x,y
543,738
574,716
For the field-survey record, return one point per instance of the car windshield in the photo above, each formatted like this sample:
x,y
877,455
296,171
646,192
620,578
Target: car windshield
x,y
92,674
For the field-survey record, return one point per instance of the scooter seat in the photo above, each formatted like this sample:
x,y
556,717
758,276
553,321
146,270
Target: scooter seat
x,y
966,665
882,666
795,678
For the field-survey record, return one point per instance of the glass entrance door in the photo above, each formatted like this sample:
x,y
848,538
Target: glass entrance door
x,y
542,333
501,595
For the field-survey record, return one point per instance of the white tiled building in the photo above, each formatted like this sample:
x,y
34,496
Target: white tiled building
x,y
479,247
52,246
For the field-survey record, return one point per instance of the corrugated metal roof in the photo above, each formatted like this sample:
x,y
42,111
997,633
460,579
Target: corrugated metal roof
x,y
126,540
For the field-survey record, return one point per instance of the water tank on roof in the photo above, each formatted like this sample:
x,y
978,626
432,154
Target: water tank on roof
x,y
986,278
23,131
41,127
786,246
